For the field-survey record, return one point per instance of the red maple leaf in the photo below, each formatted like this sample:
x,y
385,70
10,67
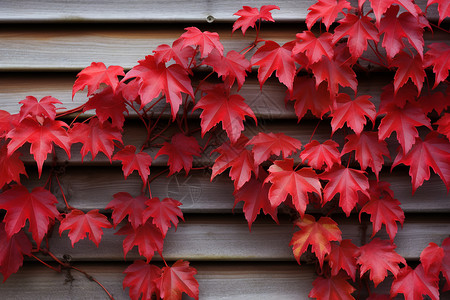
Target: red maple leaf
x,y
44,108
431,259
368,149
414,284
232,67
406,93
12,249
142,279
443,8
359,30
206,41
178,279
444,125
335,287
155,78
445,267
317,234
403,121
320,154
327,10
81,224
181,151
124,205
249,15
273,57
286,181
7,122
308,96
132,161
439,57
314,48
10,166
380,7
408,67
96,74
95,137
437,101
267,144
162,213
182,56
347,182
396,28
147,237
41,136
255,194
378,256
107,105
343,256
352,112
219,106
433,152
38,207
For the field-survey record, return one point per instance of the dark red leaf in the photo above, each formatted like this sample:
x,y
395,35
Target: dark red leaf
x,y
178,279
162,213
108,105
124,205
343,256
318,154
335,287
132,161
142,279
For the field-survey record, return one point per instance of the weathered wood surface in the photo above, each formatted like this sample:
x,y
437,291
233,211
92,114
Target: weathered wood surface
x,y
151,11
46,48
94,189
227,238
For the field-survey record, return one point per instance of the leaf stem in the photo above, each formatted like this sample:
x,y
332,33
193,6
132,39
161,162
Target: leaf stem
x,y
46,264
62,193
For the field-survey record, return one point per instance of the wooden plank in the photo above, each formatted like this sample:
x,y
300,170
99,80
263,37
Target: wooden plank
x,y
150,11
69,49
94,188
226,238
217,281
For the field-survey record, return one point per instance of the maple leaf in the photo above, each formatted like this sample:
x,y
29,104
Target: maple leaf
x,y
378,256
124,205
267,144
181,151
314,48
318,234
436,101
320,154
95,74
249,15
41,136
359,30
12,249
206,41
381,6
444,125
178,279
134,161
232,67
286,181
38,207
10,166
445,267
182,56
156,78
142,279
396,28
6,120
147,237
347,182
414,284
81,224
162,213
352,112
431,259
327,10
406,93
44,108
433,152
439,57
335,287
408,67
272,57
107,105
255,194
443,9
220,106
403,121
368,149
343,256
95,137
308,96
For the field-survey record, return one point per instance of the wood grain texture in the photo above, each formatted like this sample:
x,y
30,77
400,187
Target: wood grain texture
x,y
150,11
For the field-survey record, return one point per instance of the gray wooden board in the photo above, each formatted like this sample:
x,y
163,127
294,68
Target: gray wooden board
x,y
217,281
94,188
150,11
227,238
69,49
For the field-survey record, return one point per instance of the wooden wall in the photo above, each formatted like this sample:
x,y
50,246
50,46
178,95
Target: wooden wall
x,y
43,44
